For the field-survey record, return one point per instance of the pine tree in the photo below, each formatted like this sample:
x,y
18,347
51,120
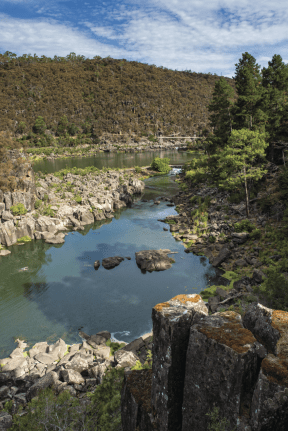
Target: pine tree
x,y
275,89
247,110
237,161
221,118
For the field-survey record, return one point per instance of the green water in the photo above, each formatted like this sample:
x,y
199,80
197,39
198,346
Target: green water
x,y
61,292
113,160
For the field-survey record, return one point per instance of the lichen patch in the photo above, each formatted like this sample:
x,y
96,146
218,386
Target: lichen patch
x,y
184,298
159,307
231,333
275,369
280,321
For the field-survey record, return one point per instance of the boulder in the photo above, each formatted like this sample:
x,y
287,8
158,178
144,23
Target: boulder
x,y
111,262
222,256
96,264
154,260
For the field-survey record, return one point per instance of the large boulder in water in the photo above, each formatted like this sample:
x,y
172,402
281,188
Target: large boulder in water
x,y
154,260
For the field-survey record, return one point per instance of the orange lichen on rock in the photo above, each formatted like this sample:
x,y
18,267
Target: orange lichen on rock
x,y
280,321
232,334
160,306
275,369
183,298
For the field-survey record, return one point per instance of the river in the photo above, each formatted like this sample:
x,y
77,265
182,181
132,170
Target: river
x,y
61,293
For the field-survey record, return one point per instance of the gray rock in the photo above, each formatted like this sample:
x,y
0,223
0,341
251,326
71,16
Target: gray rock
x,y
222,256
96,264
153,260
111,262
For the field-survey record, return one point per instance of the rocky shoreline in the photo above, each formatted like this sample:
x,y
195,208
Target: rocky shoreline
x,y
108,146
80,367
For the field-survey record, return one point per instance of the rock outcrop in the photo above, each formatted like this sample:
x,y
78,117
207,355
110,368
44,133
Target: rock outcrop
x,y
154,260
101,196
239,365
79,368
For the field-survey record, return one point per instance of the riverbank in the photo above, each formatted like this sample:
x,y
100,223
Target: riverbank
x,y
105,146
209,225
67,200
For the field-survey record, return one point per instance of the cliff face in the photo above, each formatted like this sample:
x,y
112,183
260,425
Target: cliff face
x,y
25,189
238,364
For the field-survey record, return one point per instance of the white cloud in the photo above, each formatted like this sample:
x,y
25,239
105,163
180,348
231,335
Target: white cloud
x,y
201,36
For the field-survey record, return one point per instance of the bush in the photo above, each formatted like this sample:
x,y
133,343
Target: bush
x,y
275,288
161,165
137,169
244,226
255,234
24,239
47,211
18,209
78,199
38,204
212,239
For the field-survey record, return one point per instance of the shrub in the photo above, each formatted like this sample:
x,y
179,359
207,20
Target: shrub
x,y
161,165
137,169
18,209
275,288
37,204
212,239
78,199
46,197
24,239
244,226
255,234
193,199
47,211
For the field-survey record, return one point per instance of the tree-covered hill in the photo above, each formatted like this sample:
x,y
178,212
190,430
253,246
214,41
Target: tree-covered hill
x,y
102,95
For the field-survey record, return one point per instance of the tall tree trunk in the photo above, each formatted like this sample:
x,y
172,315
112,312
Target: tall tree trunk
x,y
246,193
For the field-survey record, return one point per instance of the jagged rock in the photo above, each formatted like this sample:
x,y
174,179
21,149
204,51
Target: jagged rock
x,y
154,260
258,276
111,262
240,366
223,255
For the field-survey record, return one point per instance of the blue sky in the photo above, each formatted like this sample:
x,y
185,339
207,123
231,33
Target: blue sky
x,y
198,35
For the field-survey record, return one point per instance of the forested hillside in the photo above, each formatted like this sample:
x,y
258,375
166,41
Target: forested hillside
x,y
78,95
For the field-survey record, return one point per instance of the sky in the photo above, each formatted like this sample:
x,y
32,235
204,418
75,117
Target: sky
x,y
197,35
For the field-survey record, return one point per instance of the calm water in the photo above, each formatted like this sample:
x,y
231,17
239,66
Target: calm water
x,y
114,160
61,292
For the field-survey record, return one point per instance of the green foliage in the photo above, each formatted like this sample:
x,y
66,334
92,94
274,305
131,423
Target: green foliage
x,y
212,239
24,239
283,183
38,204
255,234
39,125
21,127
18,209
275,288
78,199
236,198
161,164
107,399
46,197
47,211
171,222
215,423
147,365
137,169
244,226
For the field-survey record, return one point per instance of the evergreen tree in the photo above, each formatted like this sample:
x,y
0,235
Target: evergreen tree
x,y
275,89
39,126
247,109
237,160
221,117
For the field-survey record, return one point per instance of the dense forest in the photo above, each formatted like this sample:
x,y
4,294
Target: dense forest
x,y
103,95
